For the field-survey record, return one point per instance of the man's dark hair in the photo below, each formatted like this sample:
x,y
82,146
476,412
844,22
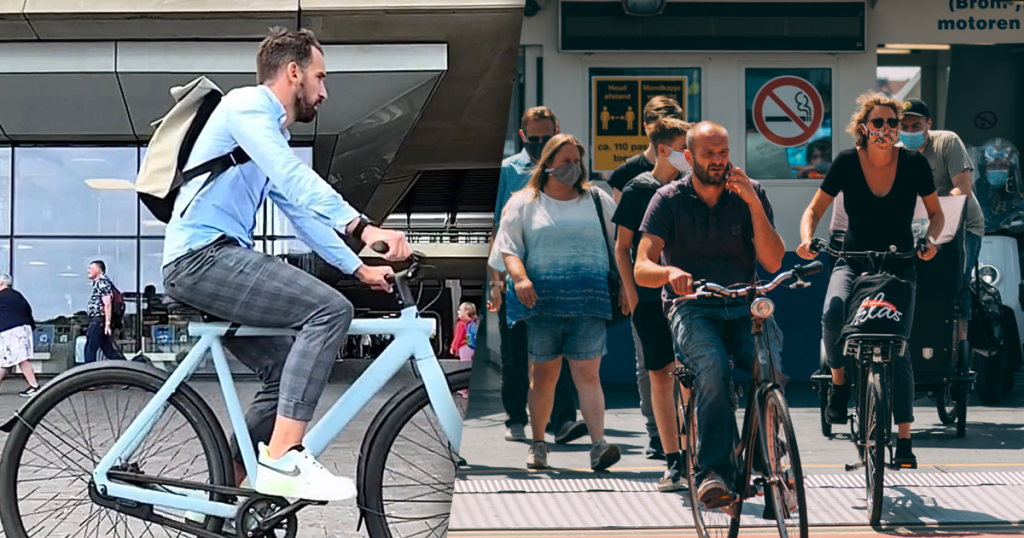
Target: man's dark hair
x,y
100,264
666,130
660,106
282,46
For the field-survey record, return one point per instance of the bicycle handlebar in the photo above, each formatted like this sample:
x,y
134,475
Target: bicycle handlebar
x,y
704,289
817,245
401,279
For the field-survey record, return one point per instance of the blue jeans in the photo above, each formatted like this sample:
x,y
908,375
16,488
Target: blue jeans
x,y
707,336
971,251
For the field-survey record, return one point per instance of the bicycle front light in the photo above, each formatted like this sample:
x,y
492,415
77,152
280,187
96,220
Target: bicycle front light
x,y
988,274
762,307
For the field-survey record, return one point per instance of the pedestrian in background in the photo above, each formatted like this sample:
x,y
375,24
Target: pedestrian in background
x,y
102,312
537,127
561,287
657,108
16,327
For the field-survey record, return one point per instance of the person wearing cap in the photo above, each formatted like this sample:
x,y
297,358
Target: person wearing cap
x,y
951,169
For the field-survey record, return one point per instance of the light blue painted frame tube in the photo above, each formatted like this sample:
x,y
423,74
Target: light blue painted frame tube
x,y
355,398
441,399
235,413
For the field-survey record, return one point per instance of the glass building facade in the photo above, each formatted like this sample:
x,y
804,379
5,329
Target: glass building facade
x,y
63,207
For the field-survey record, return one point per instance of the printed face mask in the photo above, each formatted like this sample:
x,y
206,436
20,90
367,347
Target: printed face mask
x,y
678,160
912,141
998,178
883,138
567,174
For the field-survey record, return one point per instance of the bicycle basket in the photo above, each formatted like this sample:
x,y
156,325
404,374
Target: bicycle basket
x,y
878,304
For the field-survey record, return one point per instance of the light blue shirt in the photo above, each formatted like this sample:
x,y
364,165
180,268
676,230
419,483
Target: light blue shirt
x,y
515,174
253,118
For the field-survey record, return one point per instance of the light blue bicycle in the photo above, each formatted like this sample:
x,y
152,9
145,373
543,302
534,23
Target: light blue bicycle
x,y
124,449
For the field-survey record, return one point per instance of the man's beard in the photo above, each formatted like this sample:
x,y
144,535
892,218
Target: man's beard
x,y
305,112
707,178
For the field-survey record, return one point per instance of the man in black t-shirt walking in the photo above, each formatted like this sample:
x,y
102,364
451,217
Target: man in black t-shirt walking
x,y
668,135
657,108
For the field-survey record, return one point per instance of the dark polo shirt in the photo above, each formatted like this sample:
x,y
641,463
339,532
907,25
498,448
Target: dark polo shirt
x,y
716,243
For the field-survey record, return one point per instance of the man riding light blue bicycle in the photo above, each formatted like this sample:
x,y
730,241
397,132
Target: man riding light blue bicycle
x,y
209,263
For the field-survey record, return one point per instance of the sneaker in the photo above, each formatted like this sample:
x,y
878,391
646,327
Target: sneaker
x,y
29,392
297,474
655,451
603,455
515,432
570,431
713,492
537,457
838,396
672,480
905,458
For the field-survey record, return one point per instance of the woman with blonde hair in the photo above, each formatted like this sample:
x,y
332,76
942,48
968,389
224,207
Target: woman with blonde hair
x,y
16,327
464,341
880,183
554,240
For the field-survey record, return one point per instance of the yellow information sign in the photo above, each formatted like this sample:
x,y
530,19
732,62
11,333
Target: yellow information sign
x,y
617,115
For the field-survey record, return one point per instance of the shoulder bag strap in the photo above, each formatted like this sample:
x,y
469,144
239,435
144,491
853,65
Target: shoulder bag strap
x,y
604,231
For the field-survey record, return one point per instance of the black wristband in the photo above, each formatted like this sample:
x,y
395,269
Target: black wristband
x,y
358,231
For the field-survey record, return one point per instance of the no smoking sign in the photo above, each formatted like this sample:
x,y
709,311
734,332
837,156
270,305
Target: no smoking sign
x,y
788,111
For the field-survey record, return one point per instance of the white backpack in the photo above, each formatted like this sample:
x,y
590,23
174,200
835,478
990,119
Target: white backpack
x,y
161,175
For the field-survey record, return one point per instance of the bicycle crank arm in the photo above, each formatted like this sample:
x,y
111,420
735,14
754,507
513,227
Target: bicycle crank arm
x,y
854,466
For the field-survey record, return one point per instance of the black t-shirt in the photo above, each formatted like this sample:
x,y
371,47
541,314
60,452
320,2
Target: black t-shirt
x,y
876,223
634,166
715,243
636,196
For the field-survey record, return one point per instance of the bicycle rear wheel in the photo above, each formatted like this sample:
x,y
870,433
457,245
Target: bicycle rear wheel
x,y
51,452
709,523
407,467
782,466
876,433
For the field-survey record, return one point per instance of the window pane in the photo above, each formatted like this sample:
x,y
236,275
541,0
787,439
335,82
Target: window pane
x,y
291,251
81,190
51,273
5,191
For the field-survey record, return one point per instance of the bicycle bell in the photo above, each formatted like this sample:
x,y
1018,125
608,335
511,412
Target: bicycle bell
x,y
762,307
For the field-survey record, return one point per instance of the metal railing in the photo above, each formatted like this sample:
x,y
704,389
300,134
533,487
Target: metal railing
x,y
446,235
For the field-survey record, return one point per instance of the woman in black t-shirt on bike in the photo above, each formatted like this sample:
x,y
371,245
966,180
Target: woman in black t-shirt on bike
x,y
880,184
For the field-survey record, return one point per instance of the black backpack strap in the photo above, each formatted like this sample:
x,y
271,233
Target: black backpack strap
x,y
216,167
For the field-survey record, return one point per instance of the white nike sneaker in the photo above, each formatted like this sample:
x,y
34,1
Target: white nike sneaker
x,y
298,475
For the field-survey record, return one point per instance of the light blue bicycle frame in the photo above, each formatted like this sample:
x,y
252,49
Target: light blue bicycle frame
x,y
411,342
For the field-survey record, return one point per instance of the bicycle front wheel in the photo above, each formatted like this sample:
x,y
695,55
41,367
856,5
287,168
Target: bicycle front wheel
x,y
407,468
876,437
782,466
49,457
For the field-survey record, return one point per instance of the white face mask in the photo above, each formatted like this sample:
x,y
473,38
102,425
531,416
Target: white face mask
x,y
678,160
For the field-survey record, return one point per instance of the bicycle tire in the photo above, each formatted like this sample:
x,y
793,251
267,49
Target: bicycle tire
x,y
377,445
687,423
876,437
775,418
947,401
124,375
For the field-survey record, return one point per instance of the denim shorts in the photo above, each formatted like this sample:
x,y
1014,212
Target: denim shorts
x,y
576,338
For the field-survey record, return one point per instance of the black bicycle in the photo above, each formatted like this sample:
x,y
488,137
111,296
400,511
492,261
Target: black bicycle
x,y
766,422
872,358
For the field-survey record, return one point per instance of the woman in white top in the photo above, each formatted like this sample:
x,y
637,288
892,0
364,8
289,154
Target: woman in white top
x,y
555,250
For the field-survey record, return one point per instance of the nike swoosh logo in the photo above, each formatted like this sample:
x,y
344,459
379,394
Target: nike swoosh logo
x,y
293,473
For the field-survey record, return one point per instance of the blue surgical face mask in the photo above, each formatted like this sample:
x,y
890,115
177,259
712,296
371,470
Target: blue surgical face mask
x,y
998,178
912,141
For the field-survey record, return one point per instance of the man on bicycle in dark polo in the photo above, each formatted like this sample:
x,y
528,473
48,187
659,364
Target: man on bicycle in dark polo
x,y
209,263
715,224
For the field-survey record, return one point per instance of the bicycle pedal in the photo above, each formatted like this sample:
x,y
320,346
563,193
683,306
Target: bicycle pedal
x,y
720,501
854,466
901,466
